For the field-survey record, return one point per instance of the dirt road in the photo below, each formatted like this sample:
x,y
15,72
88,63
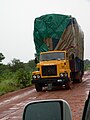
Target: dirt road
x,y
12,104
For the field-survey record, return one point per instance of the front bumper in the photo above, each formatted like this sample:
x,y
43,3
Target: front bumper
x,y
58,80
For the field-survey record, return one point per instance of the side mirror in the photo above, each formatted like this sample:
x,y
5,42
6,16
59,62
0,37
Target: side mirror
x,y
56,109
36,60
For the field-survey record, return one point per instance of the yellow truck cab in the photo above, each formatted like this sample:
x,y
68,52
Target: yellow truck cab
x,y
53,69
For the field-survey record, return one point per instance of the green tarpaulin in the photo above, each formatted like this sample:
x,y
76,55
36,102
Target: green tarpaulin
x,y
49,26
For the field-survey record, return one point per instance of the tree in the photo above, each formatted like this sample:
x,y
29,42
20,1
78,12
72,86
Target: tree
x,y
16,65
1,57
32,64
86,64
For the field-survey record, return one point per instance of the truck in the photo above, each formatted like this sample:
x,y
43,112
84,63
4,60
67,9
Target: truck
x,y
59,44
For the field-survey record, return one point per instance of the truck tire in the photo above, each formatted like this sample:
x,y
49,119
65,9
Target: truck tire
x,y
77,80
80,79
77,77
38,87
67,85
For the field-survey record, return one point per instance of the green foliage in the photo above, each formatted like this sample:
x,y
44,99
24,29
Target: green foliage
x,y
86,64
1,57
7,82
23,78
15,75
15,65
2,68
7,86
30,66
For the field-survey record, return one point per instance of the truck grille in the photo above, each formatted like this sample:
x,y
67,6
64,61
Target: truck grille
x,y
50,70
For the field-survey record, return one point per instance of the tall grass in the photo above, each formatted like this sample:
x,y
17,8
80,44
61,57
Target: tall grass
x,y
14,81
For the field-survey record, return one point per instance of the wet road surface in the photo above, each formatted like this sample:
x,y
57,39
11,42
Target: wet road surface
x,y
12,104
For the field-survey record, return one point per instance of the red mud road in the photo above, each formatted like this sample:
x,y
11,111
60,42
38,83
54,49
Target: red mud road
x,y
12,104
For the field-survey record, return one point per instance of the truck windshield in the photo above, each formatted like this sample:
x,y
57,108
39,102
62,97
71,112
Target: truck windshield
x,y
52,56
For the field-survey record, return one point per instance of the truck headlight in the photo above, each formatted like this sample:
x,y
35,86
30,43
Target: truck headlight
x,y
66,74
61,74
34,76
38,76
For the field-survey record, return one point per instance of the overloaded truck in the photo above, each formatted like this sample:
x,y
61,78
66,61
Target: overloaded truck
x,y
59,44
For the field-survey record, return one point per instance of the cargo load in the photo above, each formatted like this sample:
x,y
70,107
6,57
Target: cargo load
x,y
58,32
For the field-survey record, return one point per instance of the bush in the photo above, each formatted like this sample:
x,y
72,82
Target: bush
x,y
86,64
15,75
8,85
23,78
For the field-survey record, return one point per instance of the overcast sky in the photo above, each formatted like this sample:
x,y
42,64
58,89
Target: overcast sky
x,y
17,23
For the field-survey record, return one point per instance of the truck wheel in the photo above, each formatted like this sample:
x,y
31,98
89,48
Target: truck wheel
x,y
38,87
79,77
68,85
80,80
77,80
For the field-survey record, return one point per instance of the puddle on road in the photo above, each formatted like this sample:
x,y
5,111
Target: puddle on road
x,y
14,108
16,97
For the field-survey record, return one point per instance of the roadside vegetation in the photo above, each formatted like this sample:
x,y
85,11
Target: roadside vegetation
x,y
17,75
86,64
